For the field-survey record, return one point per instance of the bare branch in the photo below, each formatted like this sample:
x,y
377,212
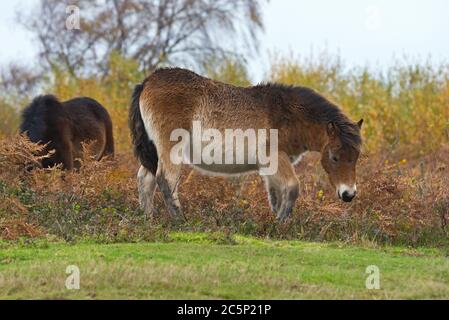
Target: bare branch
x,y
149,31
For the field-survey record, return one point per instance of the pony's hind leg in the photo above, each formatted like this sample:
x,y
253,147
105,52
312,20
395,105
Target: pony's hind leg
x,y
283,188
147,185
167,178
274,195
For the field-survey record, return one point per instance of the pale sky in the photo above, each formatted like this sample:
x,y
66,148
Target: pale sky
x,y
363,32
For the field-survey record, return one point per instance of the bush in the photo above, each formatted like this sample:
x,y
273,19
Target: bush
x,y
400,203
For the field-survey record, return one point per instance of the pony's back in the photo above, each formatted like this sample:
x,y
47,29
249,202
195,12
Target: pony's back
x,y
87,113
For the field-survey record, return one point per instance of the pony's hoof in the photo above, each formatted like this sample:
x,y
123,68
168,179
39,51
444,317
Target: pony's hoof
x,y
179,219
281,219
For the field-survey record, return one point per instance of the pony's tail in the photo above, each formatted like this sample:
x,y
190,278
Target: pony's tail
x,y
109,147
144,148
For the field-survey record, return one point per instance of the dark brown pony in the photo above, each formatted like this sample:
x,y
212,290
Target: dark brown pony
x,y
65,126
175,100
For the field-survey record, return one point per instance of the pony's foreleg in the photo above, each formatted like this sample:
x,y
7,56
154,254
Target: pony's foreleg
x,y
66,154
167,178
283,188
290,194
147,185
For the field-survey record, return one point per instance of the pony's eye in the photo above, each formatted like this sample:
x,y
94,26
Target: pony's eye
x,y
334,159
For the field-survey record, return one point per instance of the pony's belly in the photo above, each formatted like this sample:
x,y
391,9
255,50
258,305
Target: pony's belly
x,y
226,169
297,159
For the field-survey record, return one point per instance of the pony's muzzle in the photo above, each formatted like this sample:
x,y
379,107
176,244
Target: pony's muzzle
x,y
347,197
345,193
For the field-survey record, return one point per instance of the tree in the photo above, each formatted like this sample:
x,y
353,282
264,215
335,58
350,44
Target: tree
x,y
17,80
153,32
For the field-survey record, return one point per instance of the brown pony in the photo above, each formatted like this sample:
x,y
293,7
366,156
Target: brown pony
x,y
172,99
65,126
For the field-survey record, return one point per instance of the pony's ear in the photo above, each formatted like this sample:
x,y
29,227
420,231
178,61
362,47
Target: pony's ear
x,y
360,123
332,130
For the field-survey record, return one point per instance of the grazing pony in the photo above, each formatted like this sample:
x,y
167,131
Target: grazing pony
x,y
65,126
172,98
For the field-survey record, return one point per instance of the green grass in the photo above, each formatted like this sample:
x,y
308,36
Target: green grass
x,y
200,266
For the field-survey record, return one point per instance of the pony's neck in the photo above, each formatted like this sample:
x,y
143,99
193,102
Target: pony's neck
x,y
317,138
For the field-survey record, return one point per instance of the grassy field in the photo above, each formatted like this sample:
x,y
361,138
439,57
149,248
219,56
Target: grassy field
x,y
201,266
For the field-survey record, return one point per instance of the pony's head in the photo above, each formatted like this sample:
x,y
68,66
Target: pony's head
x,y
340,156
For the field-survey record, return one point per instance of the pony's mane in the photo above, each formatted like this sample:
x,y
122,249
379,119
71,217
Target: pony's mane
x,y
317,108
35,117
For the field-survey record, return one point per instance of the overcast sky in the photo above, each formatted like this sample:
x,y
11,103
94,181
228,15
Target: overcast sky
x,y
363,32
